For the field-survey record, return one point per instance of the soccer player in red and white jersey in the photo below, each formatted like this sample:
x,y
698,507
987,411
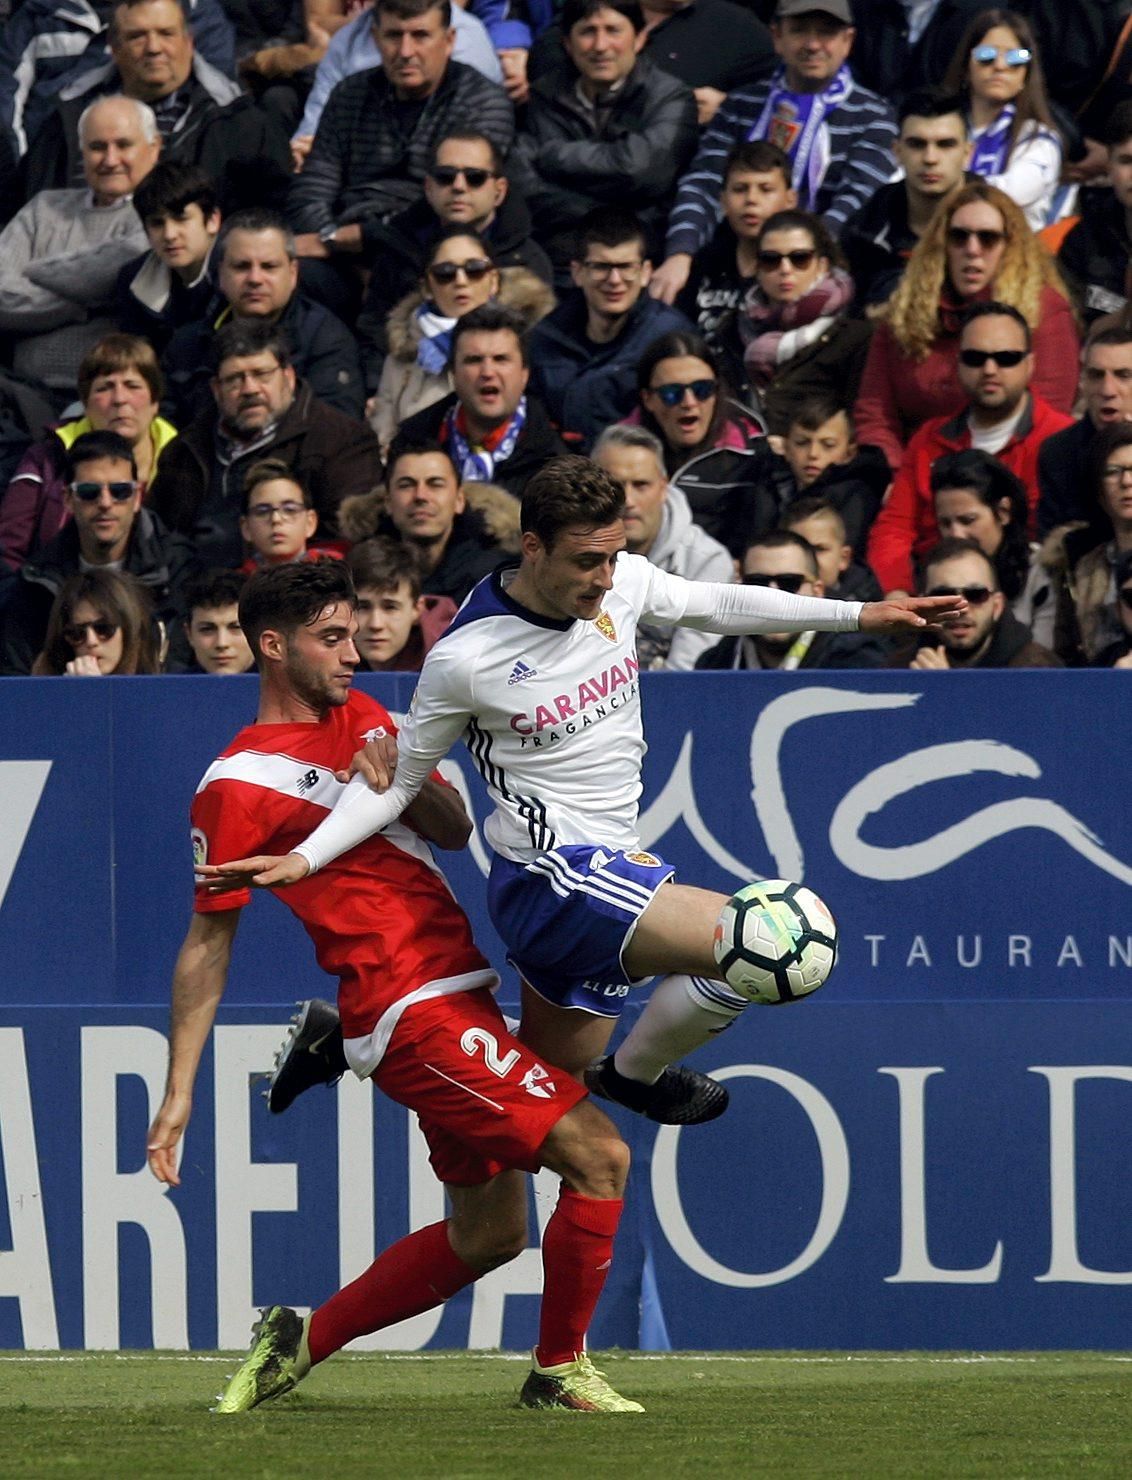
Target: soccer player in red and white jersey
x,y
418,1015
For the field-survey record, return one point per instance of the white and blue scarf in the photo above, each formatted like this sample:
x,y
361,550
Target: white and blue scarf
x,y
435,343
991,149
796,123
476,464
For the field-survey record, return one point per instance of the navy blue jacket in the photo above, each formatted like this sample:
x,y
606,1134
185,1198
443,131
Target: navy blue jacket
x,y
587,387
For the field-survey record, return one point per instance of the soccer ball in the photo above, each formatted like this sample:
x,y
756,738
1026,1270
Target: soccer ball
x,y
775,941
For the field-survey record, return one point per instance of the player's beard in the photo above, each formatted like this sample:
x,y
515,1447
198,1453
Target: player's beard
x,y
313,686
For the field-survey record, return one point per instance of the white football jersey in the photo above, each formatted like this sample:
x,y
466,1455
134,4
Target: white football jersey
x,y
550,711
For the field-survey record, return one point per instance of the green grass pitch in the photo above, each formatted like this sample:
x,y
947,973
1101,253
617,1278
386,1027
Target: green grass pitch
x,y
454,1415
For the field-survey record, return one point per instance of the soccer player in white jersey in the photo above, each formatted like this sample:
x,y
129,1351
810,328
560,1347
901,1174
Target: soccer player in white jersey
x,y
538,674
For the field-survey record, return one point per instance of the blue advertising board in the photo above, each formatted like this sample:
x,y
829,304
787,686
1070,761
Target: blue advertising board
x,y
928,1153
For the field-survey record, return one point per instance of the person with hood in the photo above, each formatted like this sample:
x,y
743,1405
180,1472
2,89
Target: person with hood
x,y
458,277
712,444
120,386
658,525
107,529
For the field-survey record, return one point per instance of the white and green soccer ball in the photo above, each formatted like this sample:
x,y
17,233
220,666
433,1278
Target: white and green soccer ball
x,y
775,941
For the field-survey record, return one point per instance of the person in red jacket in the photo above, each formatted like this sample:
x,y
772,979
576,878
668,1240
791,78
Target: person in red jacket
x,y
1003,416
977,248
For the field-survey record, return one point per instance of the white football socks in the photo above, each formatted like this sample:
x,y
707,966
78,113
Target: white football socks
x,y
682,1014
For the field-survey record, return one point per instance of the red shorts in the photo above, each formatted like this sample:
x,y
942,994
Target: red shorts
x,y
484,1101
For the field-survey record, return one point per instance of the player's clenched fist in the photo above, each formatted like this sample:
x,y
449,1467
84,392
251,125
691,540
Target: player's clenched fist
x,y
375,763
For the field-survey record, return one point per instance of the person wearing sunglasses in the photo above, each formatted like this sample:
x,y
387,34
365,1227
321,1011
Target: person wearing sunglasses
x,y
1003,416
976,498
107,529
101,622
710,439
799,339
1095,251
120,387
783,560
584,355
977,247
465,186
1015,143
459,276
1084,563
987,634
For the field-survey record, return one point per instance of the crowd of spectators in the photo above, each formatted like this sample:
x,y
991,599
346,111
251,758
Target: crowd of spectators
x,y
840,290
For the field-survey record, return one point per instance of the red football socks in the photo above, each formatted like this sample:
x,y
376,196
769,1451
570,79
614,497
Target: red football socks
x,y
577,1250
412,1275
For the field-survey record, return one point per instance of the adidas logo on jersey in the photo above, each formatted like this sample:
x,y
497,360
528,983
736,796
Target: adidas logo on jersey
x,y
520,672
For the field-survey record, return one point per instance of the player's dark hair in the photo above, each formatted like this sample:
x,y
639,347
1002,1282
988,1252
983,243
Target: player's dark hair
x,y
825,243
472,136
609,226
569,492
171,187
993,309
785,539
814,411
490,318
286,597
407,10
381,564
117,352
976,472
213,589
580,10
268,470
811,506
404,445
932,102
93,445
241,337
951,549
759,157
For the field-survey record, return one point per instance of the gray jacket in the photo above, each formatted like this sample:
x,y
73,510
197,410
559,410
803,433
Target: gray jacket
x,y
683,549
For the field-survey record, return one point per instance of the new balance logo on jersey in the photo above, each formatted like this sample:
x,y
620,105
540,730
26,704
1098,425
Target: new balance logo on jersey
x,y
307,782
530,1083
521,671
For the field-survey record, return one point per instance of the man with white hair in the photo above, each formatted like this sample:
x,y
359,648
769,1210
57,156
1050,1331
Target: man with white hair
x,y
658,524
60,255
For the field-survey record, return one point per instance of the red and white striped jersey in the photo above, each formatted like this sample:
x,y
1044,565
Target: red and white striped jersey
x,y
382,916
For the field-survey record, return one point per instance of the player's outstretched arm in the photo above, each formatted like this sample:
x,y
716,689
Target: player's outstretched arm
x,y
437,812
198,985
901,612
